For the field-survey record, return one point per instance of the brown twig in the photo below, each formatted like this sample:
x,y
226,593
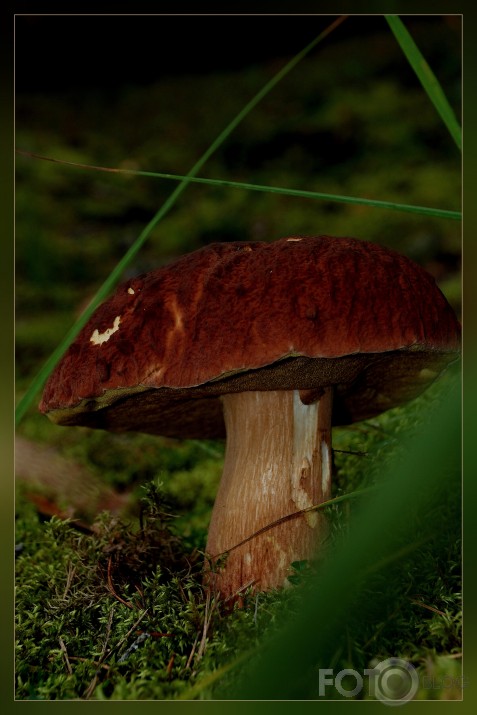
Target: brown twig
x,y
293,515
69,580
112,589
354,452
189,659
429,608
65,656
209,609
240,590
107,654
170,665
78,165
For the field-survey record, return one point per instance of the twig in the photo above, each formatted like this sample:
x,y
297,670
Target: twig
x,y
105,655
65,656
91,687
255,613
170,665
429,608
209,609
134,646
130,631
112,589
69,580
295,515
108,633
240,590
351,451
189,659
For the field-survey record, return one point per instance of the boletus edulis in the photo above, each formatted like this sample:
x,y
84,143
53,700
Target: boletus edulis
x,y
268,345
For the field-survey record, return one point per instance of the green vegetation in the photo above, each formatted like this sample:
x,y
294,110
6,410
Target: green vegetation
x,y
84,599
347,120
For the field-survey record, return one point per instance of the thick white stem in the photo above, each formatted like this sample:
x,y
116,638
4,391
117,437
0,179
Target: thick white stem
x,y
278,461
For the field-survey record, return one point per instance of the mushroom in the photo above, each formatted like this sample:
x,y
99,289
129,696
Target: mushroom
x,y
268,344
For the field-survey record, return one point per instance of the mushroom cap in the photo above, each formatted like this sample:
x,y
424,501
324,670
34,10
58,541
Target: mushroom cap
x,y
299,313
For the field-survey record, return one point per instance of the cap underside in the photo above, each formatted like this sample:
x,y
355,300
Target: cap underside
x,y
365,385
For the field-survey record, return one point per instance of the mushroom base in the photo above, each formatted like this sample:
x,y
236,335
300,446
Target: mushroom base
x,y
278,462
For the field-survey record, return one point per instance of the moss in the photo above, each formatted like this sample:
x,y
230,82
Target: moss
x,y
83,599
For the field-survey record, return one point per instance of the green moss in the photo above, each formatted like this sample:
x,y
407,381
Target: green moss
x,y
83,599
68,617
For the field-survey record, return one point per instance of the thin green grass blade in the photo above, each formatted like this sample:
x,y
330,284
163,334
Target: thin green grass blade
x,y
426,76
297,193
116,273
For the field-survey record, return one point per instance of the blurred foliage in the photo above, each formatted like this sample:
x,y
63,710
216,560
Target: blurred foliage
x,y
351,119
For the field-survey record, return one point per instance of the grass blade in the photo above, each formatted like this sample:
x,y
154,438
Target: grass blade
x,y
426,76
116,273
298,193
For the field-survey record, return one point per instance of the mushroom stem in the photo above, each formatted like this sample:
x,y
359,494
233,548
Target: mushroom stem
x,y
277,462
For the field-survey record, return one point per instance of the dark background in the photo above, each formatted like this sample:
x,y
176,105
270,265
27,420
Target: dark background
x,y
56,53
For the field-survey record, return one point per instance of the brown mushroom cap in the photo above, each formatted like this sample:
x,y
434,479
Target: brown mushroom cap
x,y
300,313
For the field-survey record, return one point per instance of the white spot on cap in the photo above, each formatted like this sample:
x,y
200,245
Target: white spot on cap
x,y
293,239
98,338
131,291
